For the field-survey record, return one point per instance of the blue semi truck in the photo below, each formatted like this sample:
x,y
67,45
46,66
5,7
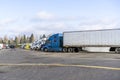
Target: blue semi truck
x,y
88,40
53,43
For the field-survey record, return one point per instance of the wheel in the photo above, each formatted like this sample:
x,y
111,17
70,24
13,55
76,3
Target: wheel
x,y
76,49
46,50
65,50
70,50
117,50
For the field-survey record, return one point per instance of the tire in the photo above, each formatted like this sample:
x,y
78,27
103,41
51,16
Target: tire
x,y
65,50
46,50
70,49
117,50
76,50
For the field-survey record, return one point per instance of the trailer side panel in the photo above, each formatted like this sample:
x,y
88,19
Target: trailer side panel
x,y
94,38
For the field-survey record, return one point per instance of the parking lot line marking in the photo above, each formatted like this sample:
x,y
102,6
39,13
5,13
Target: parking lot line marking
x,y
60,65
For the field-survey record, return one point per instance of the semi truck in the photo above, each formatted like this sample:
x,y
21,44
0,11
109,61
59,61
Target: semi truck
x,y
104,40
36,45
1,46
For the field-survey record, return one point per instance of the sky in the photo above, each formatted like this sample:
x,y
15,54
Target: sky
x,y
18,17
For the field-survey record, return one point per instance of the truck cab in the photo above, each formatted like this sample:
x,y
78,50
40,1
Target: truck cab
x,y
53,43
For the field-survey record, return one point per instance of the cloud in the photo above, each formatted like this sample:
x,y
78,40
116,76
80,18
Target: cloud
x,y
57,24
45,15
99,24
6,21
52,27
48,23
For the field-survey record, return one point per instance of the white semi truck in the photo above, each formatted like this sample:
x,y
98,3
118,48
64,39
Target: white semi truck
x,y
36,45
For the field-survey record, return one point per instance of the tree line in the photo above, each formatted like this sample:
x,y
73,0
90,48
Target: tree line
x,y
18,39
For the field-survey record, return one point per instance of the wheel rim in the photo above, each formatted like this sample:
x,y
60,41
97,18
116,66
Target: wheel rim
x,y
70,50
45,49
64,49
117,50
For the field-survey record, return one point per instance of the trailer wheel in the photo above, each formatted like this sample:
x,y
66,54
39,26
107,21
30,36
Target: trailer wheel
x,y
76,50
117,50
70,49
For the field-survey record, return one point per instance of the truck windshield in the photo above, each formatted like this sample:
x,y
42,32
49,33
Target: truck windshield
x,y
47,41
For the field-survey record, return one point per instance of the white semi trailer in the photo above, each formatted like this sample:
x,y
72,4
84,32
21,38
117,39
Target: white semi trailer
x,y
1,46
92,40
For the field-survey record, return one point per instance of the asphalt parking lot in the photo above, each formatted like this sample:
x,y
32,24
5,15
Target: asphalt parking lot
x,y
22,64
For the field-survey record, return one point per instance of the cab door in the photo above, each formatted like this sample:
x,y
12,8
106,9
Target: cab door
x,y
55,43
